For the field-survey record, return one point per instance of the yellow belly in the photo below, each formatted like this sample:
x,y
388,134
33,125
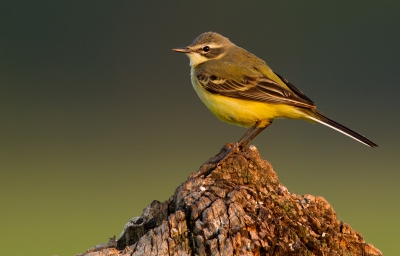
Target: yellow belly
x,y
245,112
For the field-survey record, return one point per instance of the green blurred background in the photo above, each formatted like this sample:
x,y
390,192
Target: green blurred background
x,y
98,116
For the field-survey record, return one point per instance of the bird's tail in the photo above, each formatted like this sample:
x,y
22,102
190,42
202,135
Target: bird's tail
x,y
318,117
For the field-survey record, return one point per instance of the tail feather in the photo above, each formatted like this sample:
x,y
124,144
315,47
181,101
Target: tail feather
x,y
322,119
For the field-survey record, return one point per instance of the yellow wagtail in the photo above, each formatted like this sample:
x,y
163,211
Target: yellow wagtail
x,y
241,89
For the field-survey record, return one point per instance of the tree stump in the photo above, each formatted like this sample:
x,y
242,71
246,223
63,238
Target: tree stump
x,y
236,206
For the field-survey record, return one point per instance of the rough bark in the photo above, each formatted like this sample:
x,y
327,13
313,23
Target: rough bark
x,y
237,207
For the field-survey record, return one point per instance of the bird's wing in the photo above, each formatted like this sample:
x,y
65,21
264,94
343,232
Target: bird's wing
x,y
254,88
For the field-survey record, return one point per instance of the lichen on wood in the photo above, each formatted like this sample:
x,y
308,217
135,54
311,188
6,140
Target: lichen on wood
x,y
237,207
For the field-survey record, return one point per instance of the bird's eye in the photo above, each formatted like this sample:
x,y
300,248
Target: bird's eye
x,y
206,48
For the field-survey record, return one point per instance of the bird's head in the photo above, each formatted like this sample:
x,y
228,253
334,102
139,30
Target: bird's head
x,y
207,46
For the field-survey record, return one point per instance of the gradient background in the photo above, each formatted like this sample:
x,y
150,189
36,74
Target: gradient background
x,y
98,116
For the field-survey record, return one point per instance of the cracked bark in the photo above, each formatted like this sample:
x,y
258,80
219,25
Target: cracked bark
x,y
237,208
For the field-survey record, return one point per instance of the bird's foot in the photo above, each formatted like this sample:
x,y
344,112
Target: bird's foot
x,y
234,148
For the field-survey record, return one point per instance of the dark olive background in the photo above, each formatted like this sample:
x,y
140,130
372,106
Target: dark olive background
x,y
98,116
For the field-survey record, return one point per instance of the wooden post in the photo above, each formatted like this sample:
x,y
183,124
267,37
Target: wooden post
x,y
237,207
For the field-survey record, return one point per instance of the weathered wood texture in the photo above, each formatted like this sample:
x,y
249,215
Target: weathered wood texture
x,y
237,208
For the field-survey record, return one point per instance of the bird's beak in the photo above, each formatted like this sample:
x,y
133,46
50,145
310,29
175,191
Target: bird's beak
x,y
182,49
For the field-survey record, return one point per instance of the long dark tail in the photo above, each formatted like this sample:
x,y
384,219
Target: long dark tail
x,y
322,119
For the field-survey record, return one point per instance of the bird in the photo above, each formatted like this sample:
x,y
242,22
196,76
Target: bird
x,y
241,89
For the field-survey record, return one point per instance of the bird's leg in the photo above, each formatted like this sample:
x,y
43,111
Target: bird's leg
x,y
243,142
247,137
248,132
236,145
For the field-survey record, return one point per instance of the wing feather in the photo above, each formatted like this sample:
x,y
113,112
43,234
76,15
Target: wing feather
x,y
259,88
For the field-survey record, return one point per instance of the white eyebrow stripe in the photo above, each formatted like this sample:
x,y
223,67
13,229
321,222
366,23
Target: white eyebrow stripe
x,y
212,45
